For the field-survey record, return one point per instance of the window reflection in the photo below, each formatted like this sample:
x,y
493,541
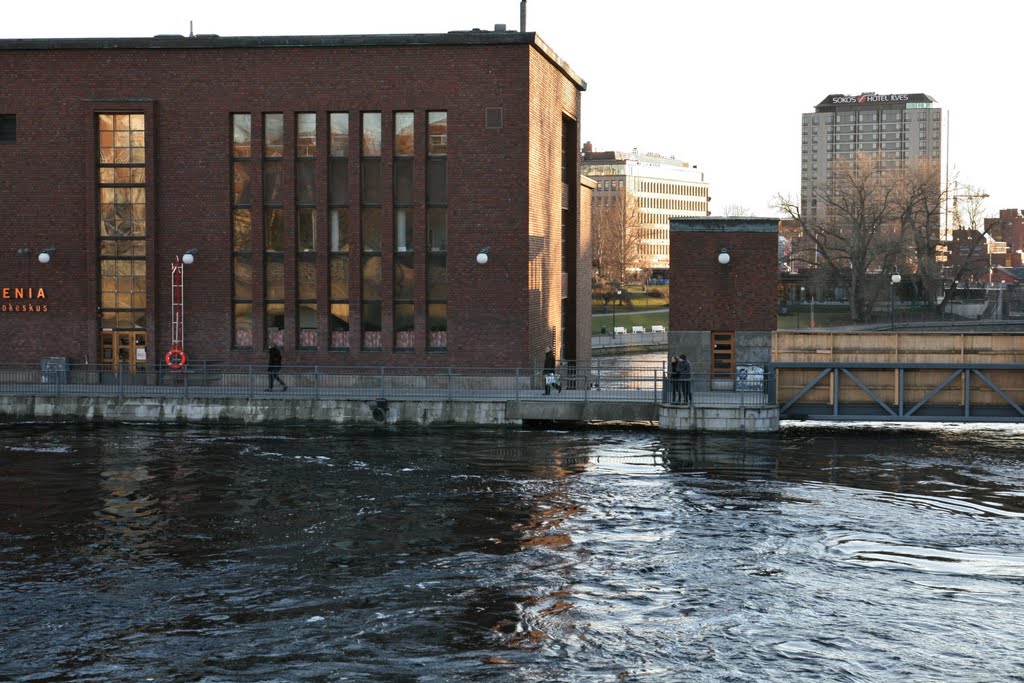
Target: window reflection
x,y
403,230
339,277
273,229
437,133
121,227
273,135
371,134
306,230
305,135
241,136
339,230
339,134
405,127
371,277
371,237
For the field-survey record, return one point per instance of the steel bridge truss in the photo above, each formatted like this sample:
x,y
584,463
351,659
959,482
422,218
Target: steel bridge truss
x,y
864,403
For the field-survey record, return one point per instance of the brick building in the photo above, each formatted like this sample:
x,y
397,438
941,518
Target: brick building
x,y
338,191
724,291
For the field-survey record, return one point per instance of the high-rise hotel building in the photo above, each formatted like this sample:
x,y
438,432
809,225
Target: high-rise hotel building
x,y
903,130
663,188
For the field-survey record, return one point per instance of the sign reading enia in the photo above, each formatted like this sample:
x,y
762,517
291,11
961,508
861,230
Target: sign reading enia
x,y
869,99
23,300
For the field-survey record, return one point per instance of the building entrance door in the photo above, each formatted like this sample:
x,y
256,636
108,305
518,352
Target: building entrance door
x,y
123,350
723,357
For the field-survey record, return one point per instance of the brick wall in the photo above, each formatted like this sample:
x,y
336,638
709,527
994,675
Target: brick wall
x,y
503,186
706,295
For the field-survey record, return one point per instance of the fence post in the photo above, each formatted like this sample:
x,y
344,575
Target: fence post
x,y
449,383
382,381
516,386
120,382
250,382
316,382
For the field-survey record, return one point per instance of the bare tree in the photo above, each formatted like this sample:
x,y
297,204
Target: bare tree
x,y
736,210
969,233
617,236
855,230
920,225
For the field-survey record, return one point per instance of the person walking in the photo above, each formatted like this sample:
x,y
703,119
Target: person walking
x,y
274,370
673,377
685,373
550,377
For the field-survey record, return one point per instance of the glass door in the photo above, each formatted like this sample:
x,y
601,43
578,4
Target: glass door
x,y
123,350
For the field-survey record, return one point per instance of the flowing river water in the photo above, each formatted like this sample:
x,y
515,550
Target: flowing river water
x,y
320,553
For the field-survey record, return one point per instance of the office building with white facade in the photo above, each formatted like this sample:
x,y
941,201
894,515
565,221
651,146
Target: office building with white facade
x,y
664,188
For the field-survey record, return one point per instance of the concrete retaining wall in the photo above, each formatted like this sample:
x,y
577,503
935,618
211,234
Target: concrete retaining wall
x,y
297,411
719,419
251,411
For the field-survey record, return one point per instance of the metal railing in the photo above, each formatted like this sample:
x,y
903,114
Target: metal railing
x,y
639,383
629,339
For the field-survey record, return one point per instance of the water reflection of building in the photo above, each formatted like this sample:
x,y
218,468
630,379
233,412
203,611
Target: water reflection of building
x,y
661,188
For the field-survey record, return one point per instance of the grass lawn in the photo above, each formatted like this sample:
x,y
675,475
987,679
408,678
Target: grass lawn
x,y
642,309
629,318
647,310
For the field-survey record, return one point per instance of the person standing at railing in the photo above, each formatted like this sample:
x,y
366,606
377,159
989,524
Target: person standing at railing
x,y
673,378
274,370
550,377
685,374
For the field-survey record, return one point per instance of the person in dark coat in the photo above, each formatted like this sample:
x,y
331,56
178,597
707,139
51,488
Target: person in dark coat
x,y
274,370
550,376
673,377
685,373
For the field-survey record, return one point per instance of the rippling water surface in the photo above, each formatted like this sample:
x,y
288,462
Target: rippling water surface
x,y
336,554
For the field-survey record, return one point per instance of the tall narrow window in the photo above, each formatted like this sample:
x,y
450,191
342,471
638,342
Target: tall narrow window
x,y
305,230
370,231
121,159
241,230
8,128
404,290
337,200
273,227
437,230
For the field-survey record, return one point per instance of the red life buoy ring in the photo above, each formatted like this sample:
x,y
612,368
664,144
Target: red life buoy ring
x,y
175,359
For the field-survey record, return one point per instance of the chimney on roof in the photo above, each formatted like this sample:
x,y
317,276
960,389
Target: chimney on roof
x,y
588,147
522,16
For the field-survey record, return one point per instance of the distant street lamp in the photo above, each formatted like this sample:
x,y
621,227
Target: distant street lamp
x,y
895,278
618,293
798,303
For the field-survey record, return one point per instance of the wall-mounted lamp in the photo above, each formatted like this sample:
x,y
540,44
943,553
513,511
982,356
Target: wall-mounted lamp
x,y
482,257
895,279
44,255
723,257
189,256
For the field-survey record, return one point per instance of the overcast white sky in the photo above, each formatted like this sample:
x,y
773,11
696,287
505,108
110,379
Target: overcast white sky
x,y
719,84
